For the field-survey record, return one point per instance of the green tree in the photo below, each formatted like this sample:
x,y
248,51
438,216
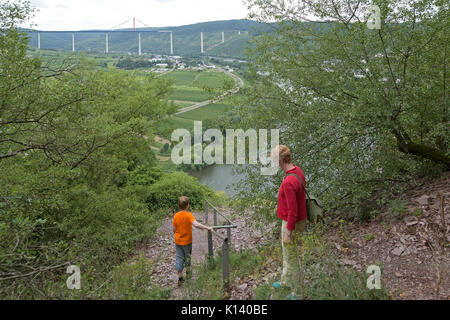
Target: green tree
x,y
70,137
358,106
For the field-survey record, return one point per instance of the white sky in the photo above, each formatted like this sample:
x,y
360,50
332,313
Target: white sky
x,y
106,14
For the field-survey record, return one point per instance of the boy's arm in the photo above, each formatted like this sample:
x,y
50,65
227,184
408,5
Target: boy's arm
x,y
201,226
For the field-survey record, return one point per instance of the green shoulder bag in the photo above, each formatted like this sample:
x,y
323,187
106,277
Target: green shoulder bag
x,y
314,208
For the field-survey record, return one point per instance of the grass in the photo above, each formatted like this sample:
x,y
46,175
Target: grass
x,y
182,78
186,120
130,281
189,85
183,104
209,282
186,93
210,79
197,79
182,123
210,111
320,275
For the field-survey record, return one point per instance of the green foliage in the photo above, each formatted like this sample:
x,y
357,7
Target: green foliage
x,y
369,236
417,212
131,281
210,111
352,103
144,176
166,192
322,276
74,162
208,284
397,209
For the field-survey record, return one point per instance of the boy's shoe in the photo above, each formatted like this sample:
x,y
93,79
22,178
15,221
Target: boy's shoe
x,y
180,281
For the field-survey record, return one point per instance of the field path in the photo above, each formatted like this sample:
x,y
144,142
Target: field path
x,y
236,89
238,81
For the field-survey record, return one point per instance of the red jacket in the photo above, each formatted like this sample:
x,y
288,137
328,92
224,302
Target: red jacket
x,y
292,199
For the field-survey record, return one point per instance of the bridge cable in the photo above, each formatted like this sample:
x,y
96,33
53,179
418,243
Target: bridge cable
x,y
120,24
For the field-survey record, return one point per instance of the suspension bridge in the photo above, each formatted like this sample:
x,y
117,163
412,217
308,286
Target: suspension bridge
x,y
116,29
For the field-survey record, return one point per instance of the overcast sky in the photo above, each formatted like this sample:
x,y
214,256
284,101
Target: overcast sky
x,y
106,14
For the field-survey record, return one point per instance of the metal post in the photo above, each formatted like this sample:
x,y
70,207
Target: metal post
x,y
229,235
206,212
73,42
225,265
140,44
223,37
171,43
215,217
39,40
210,245
201,41
107,43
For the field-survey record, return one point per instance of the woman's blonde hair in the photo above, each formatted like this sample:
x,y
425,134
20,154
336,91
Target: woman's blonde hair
x,y
284,153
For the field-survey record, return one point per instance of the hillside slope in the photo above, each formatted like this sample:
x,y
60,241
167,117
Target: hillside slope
x,y
186,39
411,244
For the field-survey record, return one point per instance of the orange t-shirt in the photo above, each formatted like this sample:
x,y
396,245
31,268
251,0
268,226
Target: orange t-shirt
x,y
183,222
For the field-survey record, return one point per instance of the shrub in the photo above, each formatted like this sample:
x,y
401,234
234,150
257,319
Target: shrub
x,y
166,192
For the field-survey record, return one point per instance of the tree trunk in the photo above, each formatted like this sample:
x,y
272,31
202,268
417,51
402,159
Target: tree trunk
x,y
424,151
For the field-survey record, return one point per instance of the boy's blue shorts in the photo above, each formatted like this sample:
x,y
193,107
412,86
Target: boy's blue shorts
x,y
182,256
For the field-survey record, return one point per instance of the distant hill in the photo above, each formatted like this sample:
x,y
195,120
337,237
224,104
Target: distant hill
x,y
186,39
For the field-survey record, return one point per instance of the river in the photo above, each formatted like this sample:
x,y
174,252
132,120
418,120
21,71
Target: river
x,y
218,178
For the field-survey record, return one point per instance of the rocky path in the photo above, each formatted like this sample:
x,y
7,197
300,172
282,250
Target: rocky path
x,y
161,248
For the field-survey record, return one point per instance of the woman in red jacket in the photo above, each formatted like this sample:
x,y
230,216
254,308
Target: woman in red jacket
x,y
292,211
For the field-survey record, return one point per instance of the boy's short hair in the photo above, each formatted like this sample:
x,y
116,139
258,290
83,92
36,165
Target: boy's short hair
x,y
183,202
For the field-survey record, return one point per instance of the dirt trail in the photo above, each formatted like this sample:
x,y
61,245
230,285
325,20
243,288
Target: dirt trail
x,y
161,248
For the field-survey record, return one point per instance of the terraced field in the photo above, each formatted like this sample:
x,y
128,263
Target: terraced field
x,y
189,85
189,91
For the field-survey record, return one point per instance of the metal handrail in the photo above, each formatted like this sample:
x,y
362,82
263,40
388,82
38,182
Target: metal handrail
x,y
223,216
225,244
224,227
219,235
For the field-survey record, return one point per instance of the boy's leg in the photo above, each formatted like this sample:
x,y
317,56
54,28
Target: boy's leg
x,y
179,261
188,252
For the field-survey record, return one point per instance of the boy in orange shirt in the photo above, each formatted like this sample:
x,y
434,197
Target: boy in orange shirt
x,y
182,227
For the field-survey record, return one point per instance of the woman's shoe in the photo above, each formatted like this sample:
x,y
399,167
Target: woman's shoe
x,y
277,285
